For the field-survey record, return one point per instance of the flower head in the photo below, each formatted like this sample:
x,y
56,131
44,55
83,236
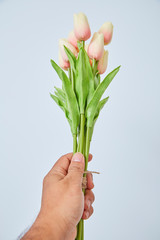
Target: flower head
x,y
81,27
64,42
63,64
107,30
72,39
96,46
103,62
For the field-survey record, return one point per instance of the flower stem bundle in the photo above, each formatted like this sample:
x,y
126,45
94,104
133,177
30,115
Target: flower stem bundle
x,y
82,89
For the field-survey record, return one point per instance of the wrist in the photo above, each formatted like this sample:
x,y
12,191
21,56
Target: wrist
x,y
50,228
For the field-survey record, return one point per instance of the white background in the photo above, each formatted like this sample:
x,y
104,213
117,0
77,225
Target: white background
x,y
34,132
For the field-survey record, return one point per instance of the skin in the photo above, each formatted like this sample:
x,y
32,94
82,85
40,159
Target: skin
x,y
63,202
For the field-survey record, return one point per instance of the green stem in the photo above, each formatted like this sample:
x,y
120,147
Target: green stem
x,y
87,147
94,66
79,236
83,44
86,154
74,143
81,149
81,137
82,229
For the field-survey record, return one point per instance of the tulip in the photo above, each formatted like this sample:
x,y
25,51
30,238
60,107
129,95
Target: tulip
x,y
81,27
107,30
72,39
103,62
63,64
96,46
64,42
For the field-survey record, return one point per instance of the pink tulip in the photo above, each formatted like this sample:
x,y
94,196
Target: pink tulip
x,y
107,30
96,46
103,62
81,27
72,39
63,64
64,42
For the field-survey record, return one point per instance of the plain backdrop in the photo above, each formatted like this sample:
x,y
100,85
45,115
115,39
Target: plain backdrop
x,y
34,132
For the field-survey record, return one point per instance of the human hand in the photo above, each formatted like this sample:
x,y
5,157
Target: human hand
x,y
63,202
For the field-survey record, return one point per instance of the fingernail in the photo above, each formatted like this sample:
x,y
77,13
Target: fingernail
x,y
78,157
87,214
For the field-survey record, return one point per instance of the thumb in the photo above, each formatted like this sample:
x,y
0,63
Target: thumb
x,y
76,169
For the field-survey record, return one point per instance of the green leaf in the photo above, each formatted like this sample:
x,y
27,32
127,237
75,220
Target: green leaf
x,y
60,94
81,81
70,97
71,57
90,77
96,80
58,101
99,107
91,108
61,105
84,83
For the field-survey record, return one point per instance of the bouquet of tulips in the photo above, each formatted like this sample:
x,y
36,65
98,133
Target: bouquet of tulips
x,y
82,89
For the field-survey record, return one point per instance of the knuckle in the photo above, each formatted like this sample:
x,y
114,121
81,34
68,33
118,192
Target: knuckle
x,y
77,167
93,197
91,210
45,180
90,195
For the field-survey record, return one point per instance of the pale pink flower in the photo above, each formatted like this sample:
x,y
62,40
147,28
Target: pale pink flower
x,y
81,27
63,64
96,46
64,42
107,30
103,62
72,39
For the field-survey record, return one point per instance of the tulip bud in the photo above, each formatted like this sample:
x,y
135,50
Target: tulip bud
x,y
62,43
81,27
103,62
72,39
107,30
63,64
96,46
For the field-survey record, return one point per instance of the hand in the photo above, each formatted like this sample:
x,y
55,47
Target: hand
x,y
63,202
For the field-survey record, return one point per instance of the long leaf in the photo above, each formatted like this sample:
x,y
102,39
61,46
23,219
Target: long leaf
x,y
71,57
61,105
70,97
90,77
91,108
82,80
60,94
99,107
